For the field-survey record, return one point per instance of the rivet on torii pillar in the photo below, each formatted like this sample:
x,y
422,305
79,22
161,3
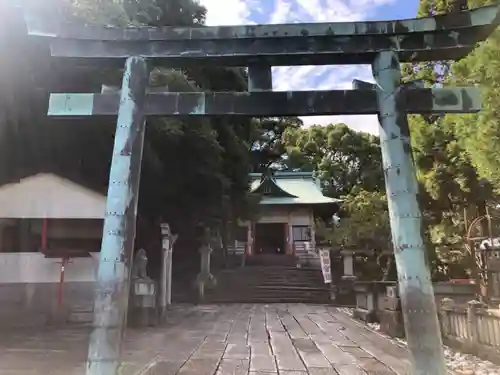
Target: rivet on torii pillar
x,y
415,285
113,277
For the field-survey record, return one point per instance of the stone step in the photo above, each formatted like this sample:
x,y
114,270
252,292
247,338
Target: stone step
x,y
267,300
284,287
245,271
271,286
256,294
244,298
271,260
264,298
268,292
81,317
272,271
298,288
261,284
292,294
265,281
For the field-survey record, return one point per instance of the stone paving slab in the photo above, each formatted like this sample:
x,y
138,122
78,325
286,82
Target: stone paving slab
x,y
239,339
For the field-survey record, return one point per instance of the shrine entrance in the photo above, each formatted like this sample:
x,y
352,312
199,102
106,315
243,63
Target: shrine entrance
x,y
384,45
270,238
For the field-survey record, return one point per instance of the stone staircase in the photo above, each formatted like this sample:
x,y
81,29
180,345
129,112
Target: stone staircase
x,y
81,316
269,279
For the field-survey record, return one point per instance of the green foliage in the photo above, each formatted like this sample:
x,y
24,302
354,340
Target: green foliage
x,y
447,149
480,133
268,147
366,226
194,172
349,166
136,12
343,158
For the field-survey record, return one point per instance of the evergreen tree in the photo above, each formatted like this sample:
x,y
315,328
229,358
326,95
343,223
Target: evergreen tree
x,y
449,173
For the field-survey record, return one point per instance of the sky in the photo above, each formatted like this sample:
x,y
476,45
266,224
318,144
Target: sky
x,y
239,12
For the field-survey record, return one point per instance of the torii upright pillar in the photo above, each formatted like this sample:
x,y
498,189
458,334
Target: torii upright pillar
x,y
415,285
113,278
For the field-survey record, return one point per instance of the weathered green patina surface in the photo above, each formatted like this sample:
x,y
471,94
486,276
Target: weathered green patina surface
x,y
479,17
445,37
292,103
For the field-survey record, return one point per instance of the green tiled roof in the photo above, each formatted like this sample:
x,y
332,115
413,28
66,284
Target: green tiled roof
x,y
300,187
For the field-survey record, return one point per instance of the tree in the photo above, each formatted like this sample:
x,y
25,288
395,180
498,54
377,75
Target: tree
x,y
479,133
135,12
366,225
449,177
343,158
268,149
193,169
349,166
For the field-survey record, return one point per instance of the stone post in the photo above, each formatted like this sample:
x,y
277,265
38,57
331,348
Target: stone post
x,y
472,309
143,311
389,311
205,278
168,241
250,242
447,305
494,281
2,227
348,261
365,301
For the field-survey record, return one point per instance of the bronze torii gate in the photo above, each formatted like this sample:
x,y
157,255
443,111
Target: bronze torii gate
x,y
384,45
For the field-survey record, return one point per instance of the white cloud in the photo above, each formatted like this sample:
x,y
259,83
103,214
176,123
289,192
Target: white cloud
x,y
365,123
282,12
233,12
228,12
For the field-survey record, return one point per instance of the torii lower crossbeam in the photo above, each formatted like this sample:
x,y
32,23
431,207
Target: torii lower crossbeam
x,y
290,103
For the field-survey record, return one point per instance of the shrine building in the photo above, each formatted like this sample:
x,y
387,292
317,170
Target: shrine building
x,y
50,235
289,203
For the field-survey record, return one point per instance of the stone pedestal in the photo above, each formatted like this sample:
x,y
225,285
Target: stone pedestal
x,y
365,302
493,292
344,293
143,311
390,314
348,262
391,323
205,279
333,293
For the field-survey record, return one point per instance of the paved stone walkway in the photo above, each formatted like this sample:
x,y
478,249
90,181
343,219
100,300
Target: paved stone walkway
x,y
280,339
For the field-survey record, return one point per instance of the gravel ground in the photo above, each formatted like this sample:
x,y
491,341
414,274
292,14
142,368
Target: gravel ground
x,y
459,363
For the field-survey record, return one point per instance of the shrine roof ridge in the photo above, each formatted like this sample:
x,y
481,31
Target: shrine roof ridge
x,y
284,174
487,16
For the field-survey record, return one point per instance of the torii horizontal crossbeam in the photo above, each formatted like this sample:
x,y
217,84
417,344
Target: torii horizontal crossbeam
x,y
446,37
274,52
261,104
479,17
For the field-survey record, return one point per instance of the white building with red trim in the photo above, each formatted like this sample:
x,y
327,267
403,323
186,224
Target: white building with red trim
x,y
285,223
